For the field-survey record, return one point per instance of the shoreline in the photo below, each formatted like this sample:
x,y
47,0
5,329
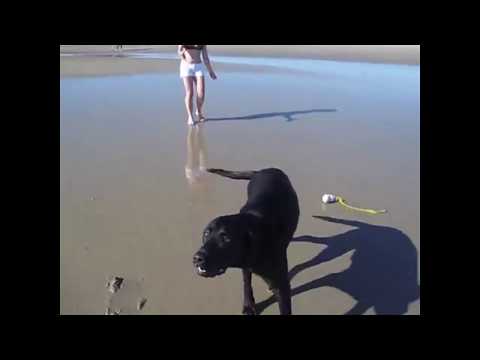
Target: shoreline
x,y
94,65
386,54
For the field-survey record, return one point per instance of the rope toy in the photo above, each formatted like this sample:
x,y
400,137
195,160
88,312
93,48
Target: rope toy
x,y
331,199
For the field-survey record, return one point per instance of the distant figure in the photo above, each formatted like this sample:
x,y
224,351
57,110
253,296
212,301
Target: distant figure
x,y
117,47
192,71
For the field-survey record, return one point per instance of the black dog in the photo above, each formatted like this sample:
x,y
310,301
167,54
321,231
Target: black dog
x,y
256,239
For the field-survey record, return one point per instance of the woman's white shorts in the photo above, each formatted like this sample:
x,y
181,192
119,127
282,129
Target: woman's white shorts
x,y
187,69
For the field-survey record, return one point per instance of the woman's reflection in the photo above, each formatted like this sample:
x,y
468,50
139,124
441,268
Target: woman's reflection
x,y
195,169
199,197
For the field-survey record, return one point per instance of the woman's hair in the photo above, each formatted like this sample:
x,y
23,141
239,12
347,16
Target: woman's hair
x,y
196,47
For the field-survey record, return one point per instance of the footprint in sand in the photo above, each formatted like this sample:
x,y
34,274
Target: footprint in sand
x,y
124,296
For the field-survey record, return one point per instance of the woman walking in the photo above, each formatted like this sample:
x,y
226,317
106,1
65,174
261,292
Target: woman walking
x,y
192,71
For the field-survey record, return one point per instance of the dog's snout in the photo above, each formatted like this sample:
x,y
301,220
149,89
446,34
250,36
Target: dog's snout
x,y
199,258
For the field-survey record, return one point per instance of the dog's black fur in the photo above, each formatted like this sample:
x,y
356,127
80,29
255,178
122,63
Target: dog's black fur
x,y
255,239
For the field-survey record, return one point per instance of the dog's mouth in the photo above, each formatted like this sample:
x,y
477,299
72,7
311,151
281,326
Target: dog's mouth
x,y
209,273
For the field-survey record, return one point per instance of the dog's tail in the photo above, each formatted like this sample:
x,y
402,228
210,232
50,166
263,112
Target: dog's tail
x,y
237,175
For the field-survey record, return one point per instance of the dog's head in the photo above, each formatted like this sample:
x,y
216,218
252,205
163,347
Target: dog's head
x,y
226,243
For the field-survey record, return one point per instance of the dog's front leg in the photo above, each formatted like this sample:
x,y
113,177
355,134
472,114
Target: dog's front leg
x,y
284,299
282,291
248,299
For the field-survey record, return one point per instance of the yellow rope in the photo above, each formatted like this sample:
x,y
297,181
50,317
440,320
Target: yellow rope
x,y
369,211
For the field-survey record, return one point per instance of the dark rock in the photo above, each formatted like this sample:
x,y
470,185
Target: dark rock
x,y
141,303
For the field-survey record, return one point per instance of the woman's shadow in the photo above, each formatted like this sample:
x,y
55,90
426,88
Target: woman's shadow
x,y
288,115
383,273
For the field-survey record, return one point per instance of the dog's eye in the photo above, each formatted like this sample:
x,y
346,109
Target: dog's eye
x,y
205,235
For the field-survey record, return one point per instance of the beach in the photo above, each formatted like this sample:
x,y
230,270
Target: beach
x,y
397,54
134,198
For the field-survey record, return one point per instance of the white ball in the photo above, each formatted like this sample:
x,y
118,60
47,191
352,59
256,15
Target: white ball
x,y
328,198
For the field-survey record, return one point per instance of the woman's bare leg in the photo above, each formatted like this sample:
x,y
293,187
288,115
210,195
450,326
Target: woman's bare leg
x,y
200,83
188,83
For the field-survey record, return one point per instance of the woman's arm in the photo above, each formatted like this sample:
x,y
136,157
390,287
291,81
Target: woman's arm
x,y
206,60
181,51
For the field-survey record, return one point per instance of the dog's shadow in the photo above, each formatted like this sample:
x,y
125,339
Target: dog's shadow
x,y
383,273
287,115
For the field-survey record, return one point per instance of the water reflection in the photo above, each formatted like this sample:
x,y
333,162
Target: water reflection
x,y
199,197
195,168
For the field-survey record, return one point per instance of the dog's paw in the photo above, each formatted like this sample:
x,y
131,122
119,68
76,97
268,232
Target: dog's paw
x,y
249,310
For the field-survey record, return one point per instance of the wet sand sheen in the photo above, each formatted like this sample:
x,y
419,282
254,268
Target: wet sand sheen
x,y
134,200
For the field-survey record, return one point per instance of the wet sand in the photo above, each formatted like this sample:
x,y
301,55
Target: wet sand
x,y
134,199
